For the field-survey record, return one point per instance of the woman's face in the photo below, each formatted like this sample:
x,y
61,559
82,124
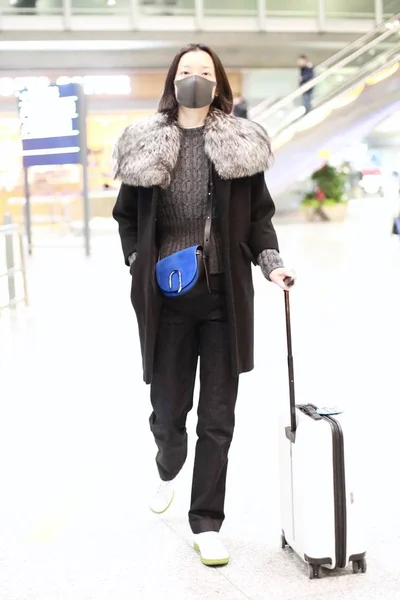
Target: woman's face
x,y
197,63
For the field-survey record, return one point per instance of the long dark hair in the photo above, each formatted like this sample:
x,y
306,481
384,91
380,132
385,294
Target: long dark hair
x,y
224,101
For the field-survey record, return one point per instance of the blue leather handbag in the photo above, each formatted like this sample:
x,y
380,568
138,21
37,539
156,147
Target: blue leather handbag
x,y
179,273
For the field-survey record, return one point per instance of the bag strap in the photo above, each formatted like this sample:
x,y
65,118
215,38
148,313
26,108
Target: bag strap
x,y
209,214
208,222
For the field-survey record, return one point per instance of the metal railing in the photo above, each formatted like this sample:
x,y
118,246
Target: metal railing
x,y
391,10
12,266
134,14
333,64
382,62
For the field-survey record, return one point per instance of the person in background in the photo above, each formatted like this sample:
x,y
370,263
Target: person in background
x,y
306,74
169,165
240,107
396,177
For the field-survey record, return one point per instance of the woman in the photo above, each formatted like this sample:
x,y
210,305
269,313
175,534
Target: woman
x,y
170,165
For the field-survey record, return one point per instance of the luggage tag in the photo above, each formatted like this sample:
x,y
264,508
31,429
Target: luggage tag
x,y
327,412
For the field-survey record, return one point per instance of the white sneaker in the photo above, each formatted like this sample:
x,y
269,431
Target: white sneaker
x,y
212,550
162,498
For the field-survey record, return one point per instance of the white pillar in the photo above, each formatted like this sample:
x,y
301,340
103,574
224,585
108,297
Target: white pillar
x,y
321,19
135,14
262,10
378,12
67,14
199,14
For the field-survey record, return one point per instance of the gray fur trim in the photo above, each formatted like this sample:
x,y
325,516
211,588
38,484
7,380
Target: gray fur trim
x,y
147,152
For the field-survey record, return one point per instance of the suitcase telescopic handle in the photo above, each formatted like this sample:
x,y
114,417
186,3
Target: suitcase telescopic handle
x,y
290,431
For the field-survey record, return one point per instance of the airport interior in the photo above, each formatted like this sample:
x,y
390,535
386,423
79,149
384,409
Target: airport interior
x,y
311,490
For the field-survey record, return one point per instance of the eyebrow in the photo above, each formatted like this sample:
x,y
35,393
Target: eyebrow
x,y
190,66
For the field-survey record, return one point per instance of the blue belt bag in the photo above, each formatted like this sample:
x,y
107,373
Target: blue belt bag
x,y
178,273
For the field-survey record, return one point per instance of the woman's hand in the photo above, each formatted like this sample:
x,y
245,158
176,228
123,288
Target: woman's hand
x,y
279,275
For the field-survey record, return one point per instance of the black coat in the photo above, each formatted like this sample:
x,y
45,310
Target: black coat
x,y
244,209
306,73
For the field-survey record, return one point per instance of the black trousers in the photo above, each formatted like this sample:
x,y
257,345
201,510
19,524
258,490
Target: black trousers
x,y
191,326
307,100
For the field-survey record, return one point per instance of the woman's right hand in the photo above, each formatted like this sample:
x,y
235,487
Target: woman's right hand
x,y
283,278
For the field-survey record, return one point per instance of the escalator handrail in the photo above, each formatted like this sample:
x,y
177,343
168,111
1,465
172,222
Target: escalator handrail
x,y
263,110
390,57
359,41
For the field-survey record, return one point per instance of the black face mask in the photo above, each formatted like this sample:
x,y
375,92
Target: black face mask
x,y
194,91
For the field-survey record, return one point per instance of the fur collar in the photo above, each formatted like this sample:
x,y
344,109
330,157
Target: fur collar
x,y
147,152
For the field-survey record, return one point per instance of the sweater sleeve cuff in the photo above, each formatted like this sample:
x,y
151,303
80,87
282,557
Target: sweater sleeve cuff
x,y
268,261
132,258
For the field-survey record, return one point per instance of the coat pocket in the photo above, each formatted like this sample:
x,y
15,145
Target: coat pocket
x,y
247,253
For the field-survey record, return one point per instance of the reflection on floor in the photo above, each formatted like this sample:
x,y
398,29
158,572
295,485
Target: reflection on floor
x,y
77,456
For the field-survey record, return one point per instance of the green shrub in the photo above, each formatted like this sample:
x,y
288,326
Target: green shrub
x,y
331,182
314,203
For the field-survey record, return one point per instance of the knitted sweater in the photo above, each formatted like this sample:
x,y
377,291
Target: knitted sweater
x,y
182,208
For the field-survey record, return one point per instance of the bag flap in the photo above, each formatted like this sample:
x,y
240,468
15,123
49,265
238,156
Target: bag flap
x,y
177,271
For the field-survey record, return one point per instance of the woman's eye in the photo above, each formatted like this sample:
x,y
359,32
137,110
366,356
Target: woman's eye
x,y
184,72
206,74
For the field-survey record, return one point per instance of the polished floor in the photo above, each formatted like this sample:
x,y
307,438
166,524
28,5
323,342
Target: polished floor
x,y
77,458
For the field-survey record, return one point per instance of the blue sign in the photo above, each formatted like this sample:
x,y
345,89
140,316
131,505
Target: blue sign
x,y
50,125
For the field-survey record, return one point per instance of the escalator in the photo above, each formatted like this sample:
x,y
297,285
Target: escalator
x,y
352,91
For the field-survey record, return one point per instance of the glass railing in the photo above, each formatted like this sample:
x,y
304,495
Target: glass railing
x,y
361,65
390,7
348,72
31,7
100,7
233,8
350,9
292,9
167,7
375,41
310,12
361,42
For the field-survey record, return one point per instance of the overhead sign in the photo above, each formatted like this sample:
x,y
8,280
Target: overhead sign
x,y
50,125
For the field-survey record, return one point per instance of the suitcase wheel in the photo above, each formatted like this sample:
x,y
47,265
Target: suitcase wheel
x,y
360,565
314,571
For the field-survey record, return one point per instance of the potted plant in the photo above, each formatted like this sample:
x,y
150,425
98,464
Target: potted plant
x,y
327,201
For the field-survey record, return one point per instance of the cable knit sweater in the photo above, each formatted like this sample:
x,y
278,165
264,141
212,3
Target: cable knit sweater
x,y
182,208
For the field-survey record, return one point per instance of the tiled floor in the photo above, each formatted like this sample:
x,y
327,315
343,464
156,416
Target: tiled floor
x,y
77,456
